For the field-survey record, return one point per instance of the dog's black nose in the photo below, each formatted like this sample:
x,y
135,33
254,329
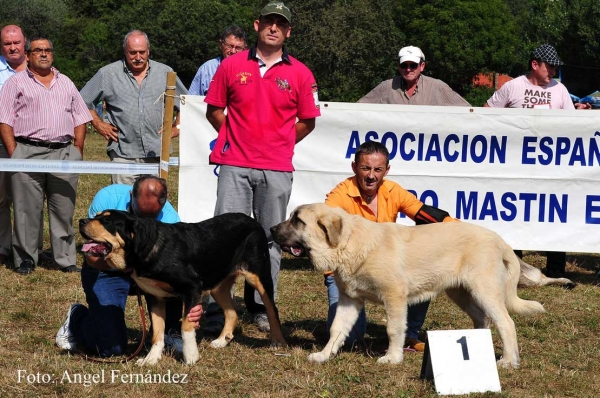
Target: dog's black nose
x,y
83,221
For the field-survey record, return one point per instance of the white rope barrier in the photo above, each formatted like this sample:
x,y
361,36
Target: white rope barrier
x,y
81,167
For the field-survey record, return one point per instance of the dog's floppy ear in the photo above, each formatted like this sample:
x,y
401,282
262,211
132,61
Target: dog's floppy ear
x,y
331,224
123,225
143,235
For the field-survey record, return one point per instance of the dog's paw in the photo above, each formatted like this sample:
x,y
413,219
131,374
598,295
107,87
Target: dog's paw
x,y
219,343
149,360
318,357
153,356
191,358
390,359
507,363
190,351
278,344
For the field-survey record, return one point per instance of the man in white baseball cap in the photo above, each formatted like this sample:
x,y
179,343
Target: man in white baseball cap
x,y
412,54
411,87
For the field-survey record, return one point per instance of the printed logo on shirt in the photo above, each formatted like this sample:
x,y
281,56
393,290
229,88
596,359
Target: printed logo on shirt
x,y
539,99
283,85
243,76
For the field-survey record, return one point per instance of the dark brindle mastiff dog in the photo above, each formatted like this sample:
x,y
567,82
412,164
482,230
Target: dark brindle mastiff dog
x,y
183,260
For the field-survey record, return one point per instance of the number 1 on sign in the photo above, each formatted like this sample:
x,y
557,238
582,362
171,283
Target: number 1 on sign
x,y
463,344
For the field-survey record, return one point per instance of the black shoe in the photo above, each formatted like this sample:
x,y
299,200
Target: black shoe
x,y
71,268
25,268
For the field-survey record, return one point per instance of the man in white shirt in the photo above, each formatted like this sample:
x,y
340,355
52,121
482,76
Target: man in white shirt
x,y
538,90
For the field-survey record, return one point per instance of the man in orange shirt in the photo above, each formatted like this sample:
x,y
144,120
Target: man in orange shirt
x,y
369,195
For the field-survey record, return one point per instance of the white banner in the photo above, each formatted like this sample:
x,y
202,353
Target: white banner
x,y
533,176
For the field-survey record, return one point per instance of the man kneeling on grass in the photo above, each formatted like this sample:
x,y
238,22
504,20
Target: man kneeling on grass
x,y
100,327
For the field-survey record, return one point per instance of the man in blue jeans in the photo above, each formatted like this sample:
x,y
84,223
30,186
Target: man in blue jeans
x,y
100,327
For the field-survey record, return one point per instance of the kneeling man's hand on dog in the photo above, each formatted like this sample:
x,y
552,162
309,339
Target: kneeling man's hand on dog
x,y
195,314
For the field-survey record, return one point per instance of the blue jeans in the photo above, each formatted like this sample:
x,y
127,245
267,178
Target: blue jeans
x,y
100,327
415,317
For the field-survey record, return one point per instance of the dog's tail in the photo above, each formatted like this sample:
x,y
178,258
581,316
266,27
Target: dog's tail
x,y
517,305
532,276
514,303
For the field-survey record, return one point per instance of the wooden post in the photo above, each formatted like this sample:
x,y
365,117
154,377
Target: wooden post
x,y
167,124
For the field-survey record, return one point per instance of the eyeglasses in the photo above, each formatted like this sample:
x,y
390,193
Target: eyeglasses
x,y
270,21
232,47
38,51
412,65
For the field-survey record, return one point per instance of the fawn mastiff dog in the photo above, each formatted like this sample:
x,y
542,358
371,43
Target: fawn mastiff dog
x,y
397,265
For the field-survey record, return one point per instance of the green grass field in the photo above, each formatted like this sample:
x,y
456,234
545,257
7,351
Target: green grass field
x,y
559,350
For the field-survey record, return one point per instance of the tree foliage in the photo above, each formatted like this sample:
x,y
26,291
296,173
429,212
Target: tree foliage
x,y
350,45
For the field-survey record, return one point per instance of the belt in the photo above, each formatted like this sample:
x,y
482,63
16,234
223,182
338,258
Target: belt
x,y
50,145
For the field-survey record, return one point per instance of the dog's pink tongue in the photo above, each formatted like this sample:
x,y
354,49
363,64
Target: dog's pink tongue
x,y
88,246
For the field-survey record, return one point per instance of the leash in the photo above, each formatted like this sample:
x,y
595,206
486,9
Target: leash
x,y
142,341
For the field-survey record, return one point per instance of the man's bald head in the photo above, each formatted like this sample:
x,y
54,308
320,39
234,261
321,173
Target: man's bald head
x,y
149,196
12,41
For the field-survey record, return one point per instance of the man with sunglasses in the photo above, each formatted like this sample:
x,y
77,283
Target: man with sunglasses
x,y
43,117
100,327
411,87
233,40
272,102
538,90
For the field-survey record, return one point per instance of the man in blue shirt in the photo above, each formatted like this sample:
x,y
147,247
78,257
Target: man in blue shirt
x,y
101,326
12,60
233,40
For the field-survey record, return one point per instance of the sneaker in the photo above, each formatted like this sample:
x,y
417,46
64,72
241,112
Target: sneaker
x,y
262,322
173,342
25,268
412,344
64,337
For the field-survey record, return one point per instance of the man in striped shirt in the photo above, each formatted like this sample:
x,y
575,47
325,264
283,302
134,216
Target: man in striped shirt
x,y
43,117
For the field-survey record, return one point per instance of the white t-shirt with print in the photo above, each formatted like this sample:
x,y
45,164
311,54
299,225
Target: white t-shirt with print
x,y
520,93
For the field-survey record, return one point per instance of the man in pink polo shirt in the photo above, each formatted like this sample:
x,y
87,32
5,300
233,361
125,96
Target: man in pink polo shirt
x,y
272,102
